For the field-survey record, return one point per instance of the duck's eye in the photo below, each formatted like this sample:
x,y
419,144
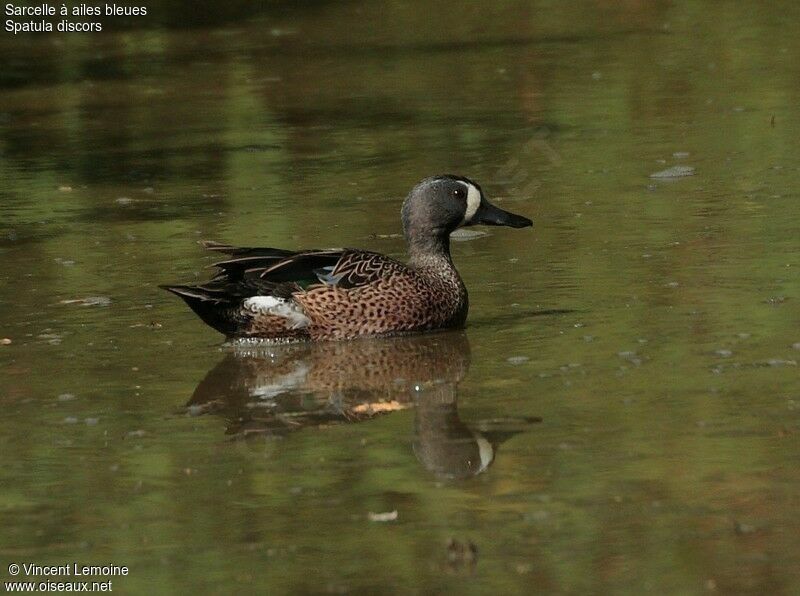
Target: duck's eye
x,y
460,193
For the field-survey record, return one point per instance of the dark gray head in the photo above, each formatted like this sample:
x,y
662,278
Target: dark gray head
x,y
440,204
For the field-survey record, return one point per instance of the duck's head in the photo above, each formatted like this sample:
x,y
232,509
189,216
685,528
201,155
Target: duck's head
x,y
438,205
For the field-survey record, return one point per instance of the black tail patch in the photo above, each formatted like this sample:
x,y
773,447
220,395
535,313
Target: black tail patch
x,y
212,307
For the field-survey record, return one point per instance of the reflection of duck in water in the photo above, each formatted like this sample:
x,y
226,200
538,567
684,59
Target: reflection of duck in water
x,y
450,448
273,390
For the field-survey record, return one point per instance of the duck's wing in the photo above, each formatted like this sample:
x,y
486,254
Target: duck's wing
x,y
276,266
280,273
342,267
241,252
356,268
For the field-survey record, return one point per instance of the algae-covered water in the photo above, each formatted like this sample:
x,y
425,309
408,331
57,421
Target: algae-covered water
x,y
622,412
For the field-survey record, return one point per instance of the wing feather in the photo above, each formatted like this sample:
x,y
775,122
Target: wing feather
x,y
277,272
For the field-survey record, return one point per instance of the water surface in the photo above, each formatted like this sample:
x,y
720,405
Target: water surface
x,y
622,412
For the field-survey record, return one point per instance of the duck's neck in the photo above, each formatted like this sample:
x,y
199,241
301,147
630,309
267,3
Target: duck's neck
x,y
429,255
429,251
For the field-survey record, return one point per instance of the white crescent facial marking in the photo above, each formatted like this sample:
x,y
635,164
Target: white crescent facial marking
x,y
485,451
473,202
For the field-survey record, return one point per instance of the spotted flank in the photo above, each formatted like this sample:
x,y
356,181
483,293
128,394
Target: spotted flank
x,y
281,295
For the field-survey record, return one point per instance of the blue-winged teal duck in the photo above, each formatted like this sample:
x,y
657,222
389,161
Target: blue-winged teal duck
x,y
283,295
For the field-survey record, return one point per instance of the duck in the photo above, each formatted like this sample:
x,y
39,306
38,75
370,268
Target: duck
x,y
277,295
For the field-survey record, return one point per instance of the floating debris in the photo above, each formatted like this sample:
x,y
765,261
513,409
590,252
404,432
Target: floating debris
x,y
631,357
70,420
137,433
89,301
523,568
64,188
674,172
380,406
52,338
383,517
123,201
516,360
796,345
91,421
461,553
66,397
743,529
724,353
680,154
6,341
780,362
464,235
150,325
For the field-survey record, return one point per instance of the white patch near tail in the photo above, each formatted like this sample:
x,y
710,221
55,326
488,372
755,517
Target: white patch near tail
x,y
473,202
270,305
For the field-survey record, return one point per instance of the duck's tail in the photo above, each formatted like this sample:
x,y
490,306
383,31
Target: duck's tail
x,y
210,305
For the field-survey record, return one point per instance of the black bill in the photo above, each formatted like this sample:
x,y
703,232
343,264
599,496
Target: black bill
x,y
488,214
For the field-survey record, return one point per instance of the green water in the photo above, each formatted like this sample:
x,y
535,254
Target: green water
x,y
622,412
